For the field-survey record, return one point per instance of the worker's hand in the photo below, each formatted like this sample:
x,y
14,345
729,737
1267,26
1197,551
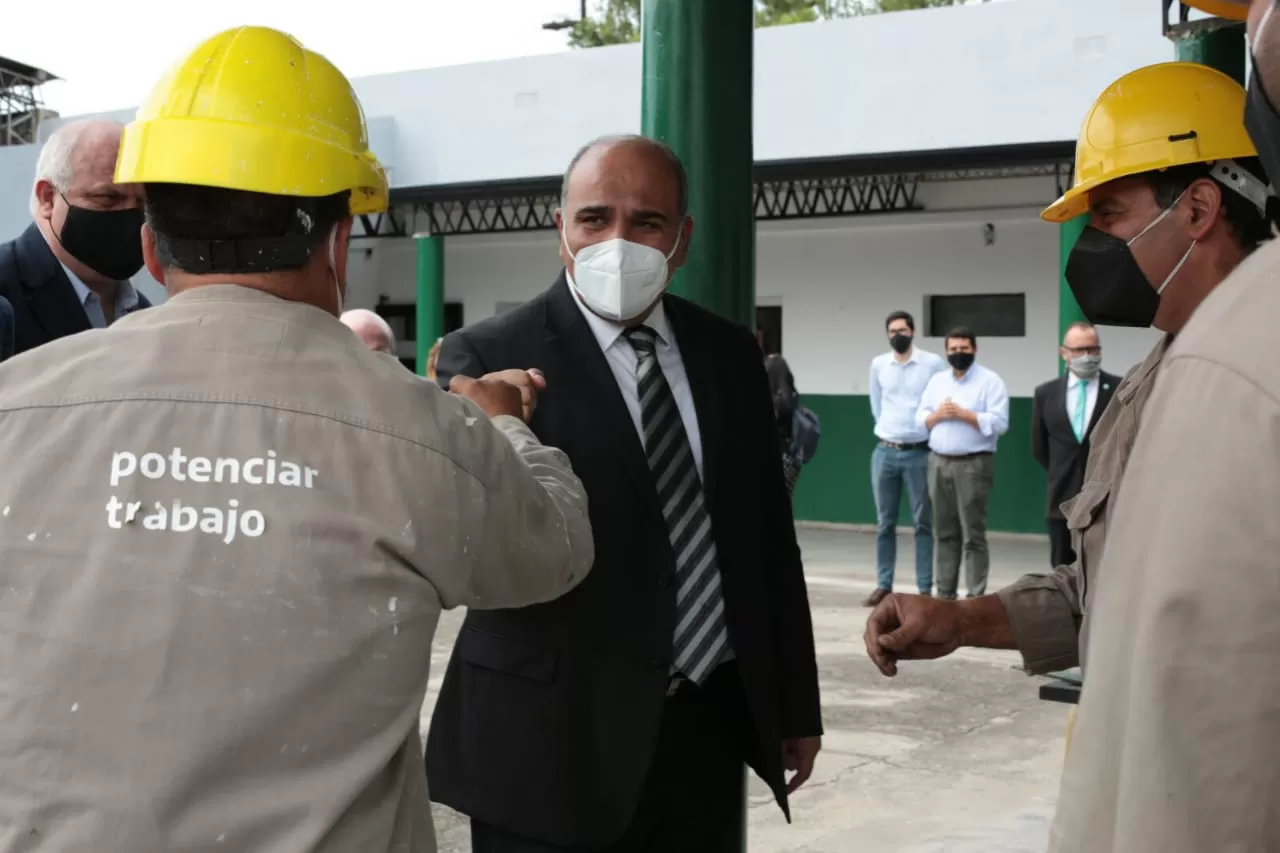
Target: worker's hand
x,y
948,411
506,392
911,627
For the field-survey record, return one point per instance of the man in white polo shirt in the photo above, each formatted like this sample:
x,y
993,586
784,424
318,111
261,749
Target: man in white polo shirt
x,y
966,410
898,380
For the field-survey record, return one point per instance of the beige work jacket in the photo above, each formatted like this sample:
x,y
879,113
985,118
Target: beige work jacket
x,y
227,531
1177,744
1048,611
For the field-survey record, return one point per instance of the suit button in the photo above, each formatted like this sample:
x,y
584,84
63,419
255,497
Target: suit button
x,y
657,664
664,579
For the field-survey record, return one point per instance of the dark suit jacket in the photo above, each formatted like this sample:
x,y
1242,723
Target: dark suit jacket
x,y
6,329
1054,443
45,304
548,717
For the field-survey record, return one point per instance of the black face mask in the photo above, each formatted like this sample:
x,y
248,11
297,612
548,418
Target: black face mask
x,y
1263,125
900,343
1107,282
961,361
109,242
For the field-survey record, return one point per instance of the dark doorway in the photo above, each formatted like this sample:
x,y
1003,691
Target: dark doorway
x,y
769,328
403,319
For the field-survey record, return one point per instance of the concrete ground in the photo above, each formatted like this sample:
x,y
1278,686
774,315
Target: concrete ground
x,y
952,756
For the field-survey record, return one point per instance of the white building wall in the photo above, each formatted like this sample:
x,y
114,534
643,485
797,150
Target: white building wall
x,y
837,284
836,279
936,79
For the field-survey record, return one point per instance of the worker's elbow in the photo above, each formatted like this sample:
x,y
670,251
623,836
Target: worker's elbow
x,y
582,556
564,559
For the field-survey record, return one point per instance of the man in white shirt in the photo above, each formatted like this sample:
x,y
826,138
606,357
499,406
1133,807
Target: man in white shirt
x,y
966,410
1064,412
898,380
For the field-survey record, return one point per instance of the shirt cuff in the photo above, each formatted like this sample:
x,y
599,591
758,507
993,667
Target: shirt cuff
x,y
1045,627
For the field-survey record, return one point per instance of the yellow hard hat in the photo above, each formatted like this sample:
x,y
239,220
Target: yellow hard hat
x,y
1158,117
252,109
1232,10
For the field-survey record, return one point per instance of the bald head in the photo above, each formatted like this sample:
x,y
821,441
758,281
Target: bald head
x,y
372,330
646,150
1082,350
629,189
1080,335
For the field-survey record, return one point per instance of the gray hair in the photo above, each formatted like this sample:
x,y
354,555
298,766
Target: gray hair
x,y
57,158
358,319
673,161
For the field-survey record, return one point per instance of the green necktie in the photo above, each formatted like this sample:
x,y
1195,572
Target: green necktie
x,y
1082,397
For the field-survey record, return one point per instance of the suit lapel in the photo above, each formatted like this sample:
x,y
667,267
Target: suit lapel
x,y
699,365
1105,390
48,292
578,352
1058,406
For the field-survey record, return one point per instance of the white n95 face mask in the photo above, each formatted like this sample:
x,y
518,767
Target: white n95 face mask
x,y
619,279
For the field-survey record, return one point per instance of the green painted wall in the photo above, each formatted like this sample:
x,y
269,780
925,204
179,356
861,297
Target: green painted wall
x,y
836,486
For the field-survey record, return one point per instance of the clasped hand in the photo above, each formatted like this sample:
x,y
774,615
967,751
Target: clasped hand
x,y
506,392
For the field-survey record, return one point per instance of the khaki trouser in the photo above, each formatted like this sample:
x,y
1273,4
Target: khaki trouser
x,y
959,487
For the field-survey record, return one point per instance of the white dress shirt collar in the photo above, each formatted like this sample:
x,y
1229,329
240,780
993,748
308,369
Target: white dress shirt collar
x,y
126,295
608,332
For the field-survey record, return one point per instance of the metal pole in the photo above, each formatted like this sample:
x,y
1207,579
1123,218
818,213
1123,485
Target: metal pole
x,y
1223,49
429,312
696,97
1068,309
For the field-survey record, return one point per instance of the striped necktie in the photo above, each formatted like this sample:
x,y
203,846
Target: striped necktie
x,y
702,638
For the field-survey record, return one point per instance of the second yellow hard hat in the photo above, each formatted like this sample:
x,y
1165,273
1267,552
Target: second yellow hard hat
x,y
252,109
1232,10
1158,117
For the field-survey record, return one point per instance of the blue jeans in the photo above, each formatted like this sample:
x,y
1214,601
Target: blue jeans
x,y
890,468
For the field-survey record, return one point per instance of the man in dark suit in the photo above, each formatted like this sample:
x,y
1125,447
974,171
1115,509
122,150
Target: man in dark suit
x,y
619,717
70,270
1063,413
6,329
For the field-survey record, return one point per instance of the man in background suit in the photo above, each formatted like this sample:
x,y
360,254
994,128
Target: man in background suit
x,y
70,270
619,717
6,329
1063,414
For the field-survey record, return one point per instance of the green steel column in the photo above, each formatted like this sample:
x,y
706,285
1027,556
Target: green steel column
x,y
430,304
1223,49
696,97
1068,309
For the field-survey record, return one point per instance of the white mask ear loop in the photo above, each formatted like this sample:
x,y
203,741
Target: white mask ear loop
x,y
1169,278
565,241
1163,214
676,247
333,266
1177,267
